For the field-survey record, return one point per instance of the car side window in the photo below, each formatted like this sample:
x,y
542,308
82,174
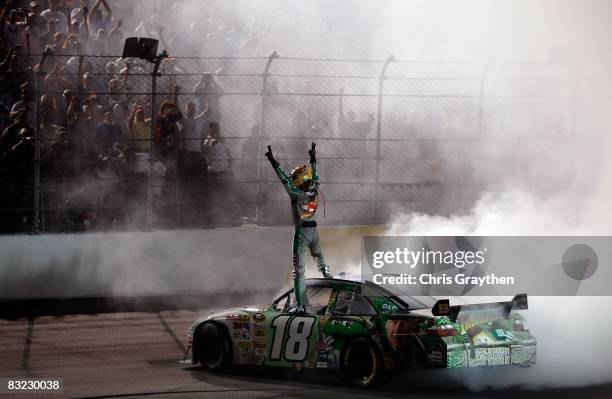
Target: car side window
x,y
353,303
285,302
318,299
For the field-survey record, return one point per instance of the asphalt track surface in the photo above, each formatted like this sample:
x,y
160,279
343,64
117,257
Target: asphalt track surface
x,y
136,355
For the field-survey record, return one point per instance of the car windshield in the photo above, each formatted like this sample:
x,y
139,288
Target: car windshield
x,y
419,302
413,302
282,292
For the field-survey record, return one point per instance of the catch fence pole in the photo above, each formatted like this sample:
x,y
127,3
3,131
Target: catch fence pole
x,y
154,75
260,133
379,115
36,227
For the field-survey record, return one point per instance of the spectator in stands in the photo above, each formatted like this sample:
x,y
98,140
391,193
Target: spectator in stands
x,y
79,14
21,156
67,99
217,156
47,105
46,36
348,124
122,113
191,128
21,168
76,119
10,78
18,130
12,30
47,131
25,102
117,86
98,20
115,38
63,155
57,43
166,131
98,45
84,133
139,129
33,35
209,92
36,19
55,13
88,84
108,133
56,81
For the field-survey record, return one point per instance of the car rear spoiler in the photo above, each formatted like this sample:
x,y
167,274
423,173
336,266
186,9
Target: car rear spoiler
x,y
442,307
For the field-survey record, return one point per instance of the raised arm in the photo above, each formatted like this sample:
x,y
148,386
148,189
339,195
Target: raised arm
x,y
92,12
7,7
109,11
282,175
130,124
116,26
313,162
86,21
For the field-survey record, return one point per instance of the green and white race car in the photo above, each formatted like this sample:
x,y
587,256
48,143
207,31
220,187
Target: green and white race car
x,y
365,331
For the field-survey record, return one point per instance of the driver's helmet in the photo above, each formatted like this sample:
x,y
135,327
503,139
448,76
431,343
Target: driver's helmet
x,y
301,176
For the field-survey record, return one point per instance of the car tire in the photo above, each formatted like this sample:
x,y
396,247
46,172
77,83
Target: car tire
x,y
361,363
214,348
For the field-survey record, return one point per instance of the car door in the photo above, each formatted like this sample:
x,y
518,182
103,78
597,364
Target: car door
x,y
291,339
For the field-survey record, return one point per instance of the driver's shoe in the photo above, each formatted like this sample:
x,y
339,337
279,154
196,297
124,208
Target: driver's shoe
x,y
301,309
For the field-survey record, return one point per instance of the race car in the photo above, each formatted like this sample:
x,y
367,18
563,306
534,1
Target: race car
x,y
365,331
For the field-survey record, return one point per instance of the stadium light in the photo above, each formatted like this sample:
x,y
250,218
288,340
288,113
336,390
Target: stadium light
x,y
140,47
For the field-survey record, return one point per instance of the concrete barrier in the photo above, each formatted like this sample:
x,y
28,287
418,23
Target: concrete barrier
x,y
161,262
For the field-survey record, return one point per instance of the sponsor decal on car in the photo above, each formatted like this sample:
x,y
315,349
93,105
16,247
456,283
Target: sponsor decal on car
x,y
238,317
244,348
260,348
436,356
492,356
259,317
258,339
327,358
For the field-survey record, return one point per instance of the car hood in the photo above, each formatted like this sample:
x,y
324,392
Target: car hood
x,y
237,314
244,310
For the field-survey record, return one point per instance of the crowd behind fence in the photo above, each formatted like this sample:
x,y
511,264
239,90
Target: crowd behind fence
x,y
101,142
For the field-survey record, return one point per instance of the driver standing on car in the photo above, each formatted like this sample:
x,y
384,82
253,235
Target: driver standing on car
x,y
302,186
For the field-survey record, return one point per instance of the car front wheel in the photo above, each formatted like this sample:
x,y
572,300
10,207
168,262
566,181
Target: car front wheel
x,y
213,346
362,363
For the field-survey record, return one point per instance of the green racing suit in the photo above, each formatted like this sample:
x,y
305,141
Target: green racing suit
x,y
306,235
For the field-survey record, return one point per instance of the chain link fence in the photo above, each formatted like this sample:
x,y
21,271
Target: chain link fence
x,y
136,148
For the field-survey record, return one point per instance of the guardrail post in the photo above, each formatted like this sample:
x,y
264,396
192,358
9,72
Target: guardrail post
x,y
481,95
381,81
154,75
36,227
260,133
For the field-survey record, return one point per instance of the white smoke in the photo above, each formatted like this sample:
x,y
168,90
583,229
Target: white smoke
x,y
572,332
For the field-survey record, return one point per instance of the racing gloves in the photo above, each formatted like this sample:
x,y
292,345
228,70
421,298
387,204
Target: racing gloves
x,y
312,152
271,157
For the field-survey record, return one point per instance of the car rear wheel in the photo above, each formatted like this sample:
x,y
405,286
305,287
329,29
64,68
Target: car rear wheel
x,y
213,346
362,363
